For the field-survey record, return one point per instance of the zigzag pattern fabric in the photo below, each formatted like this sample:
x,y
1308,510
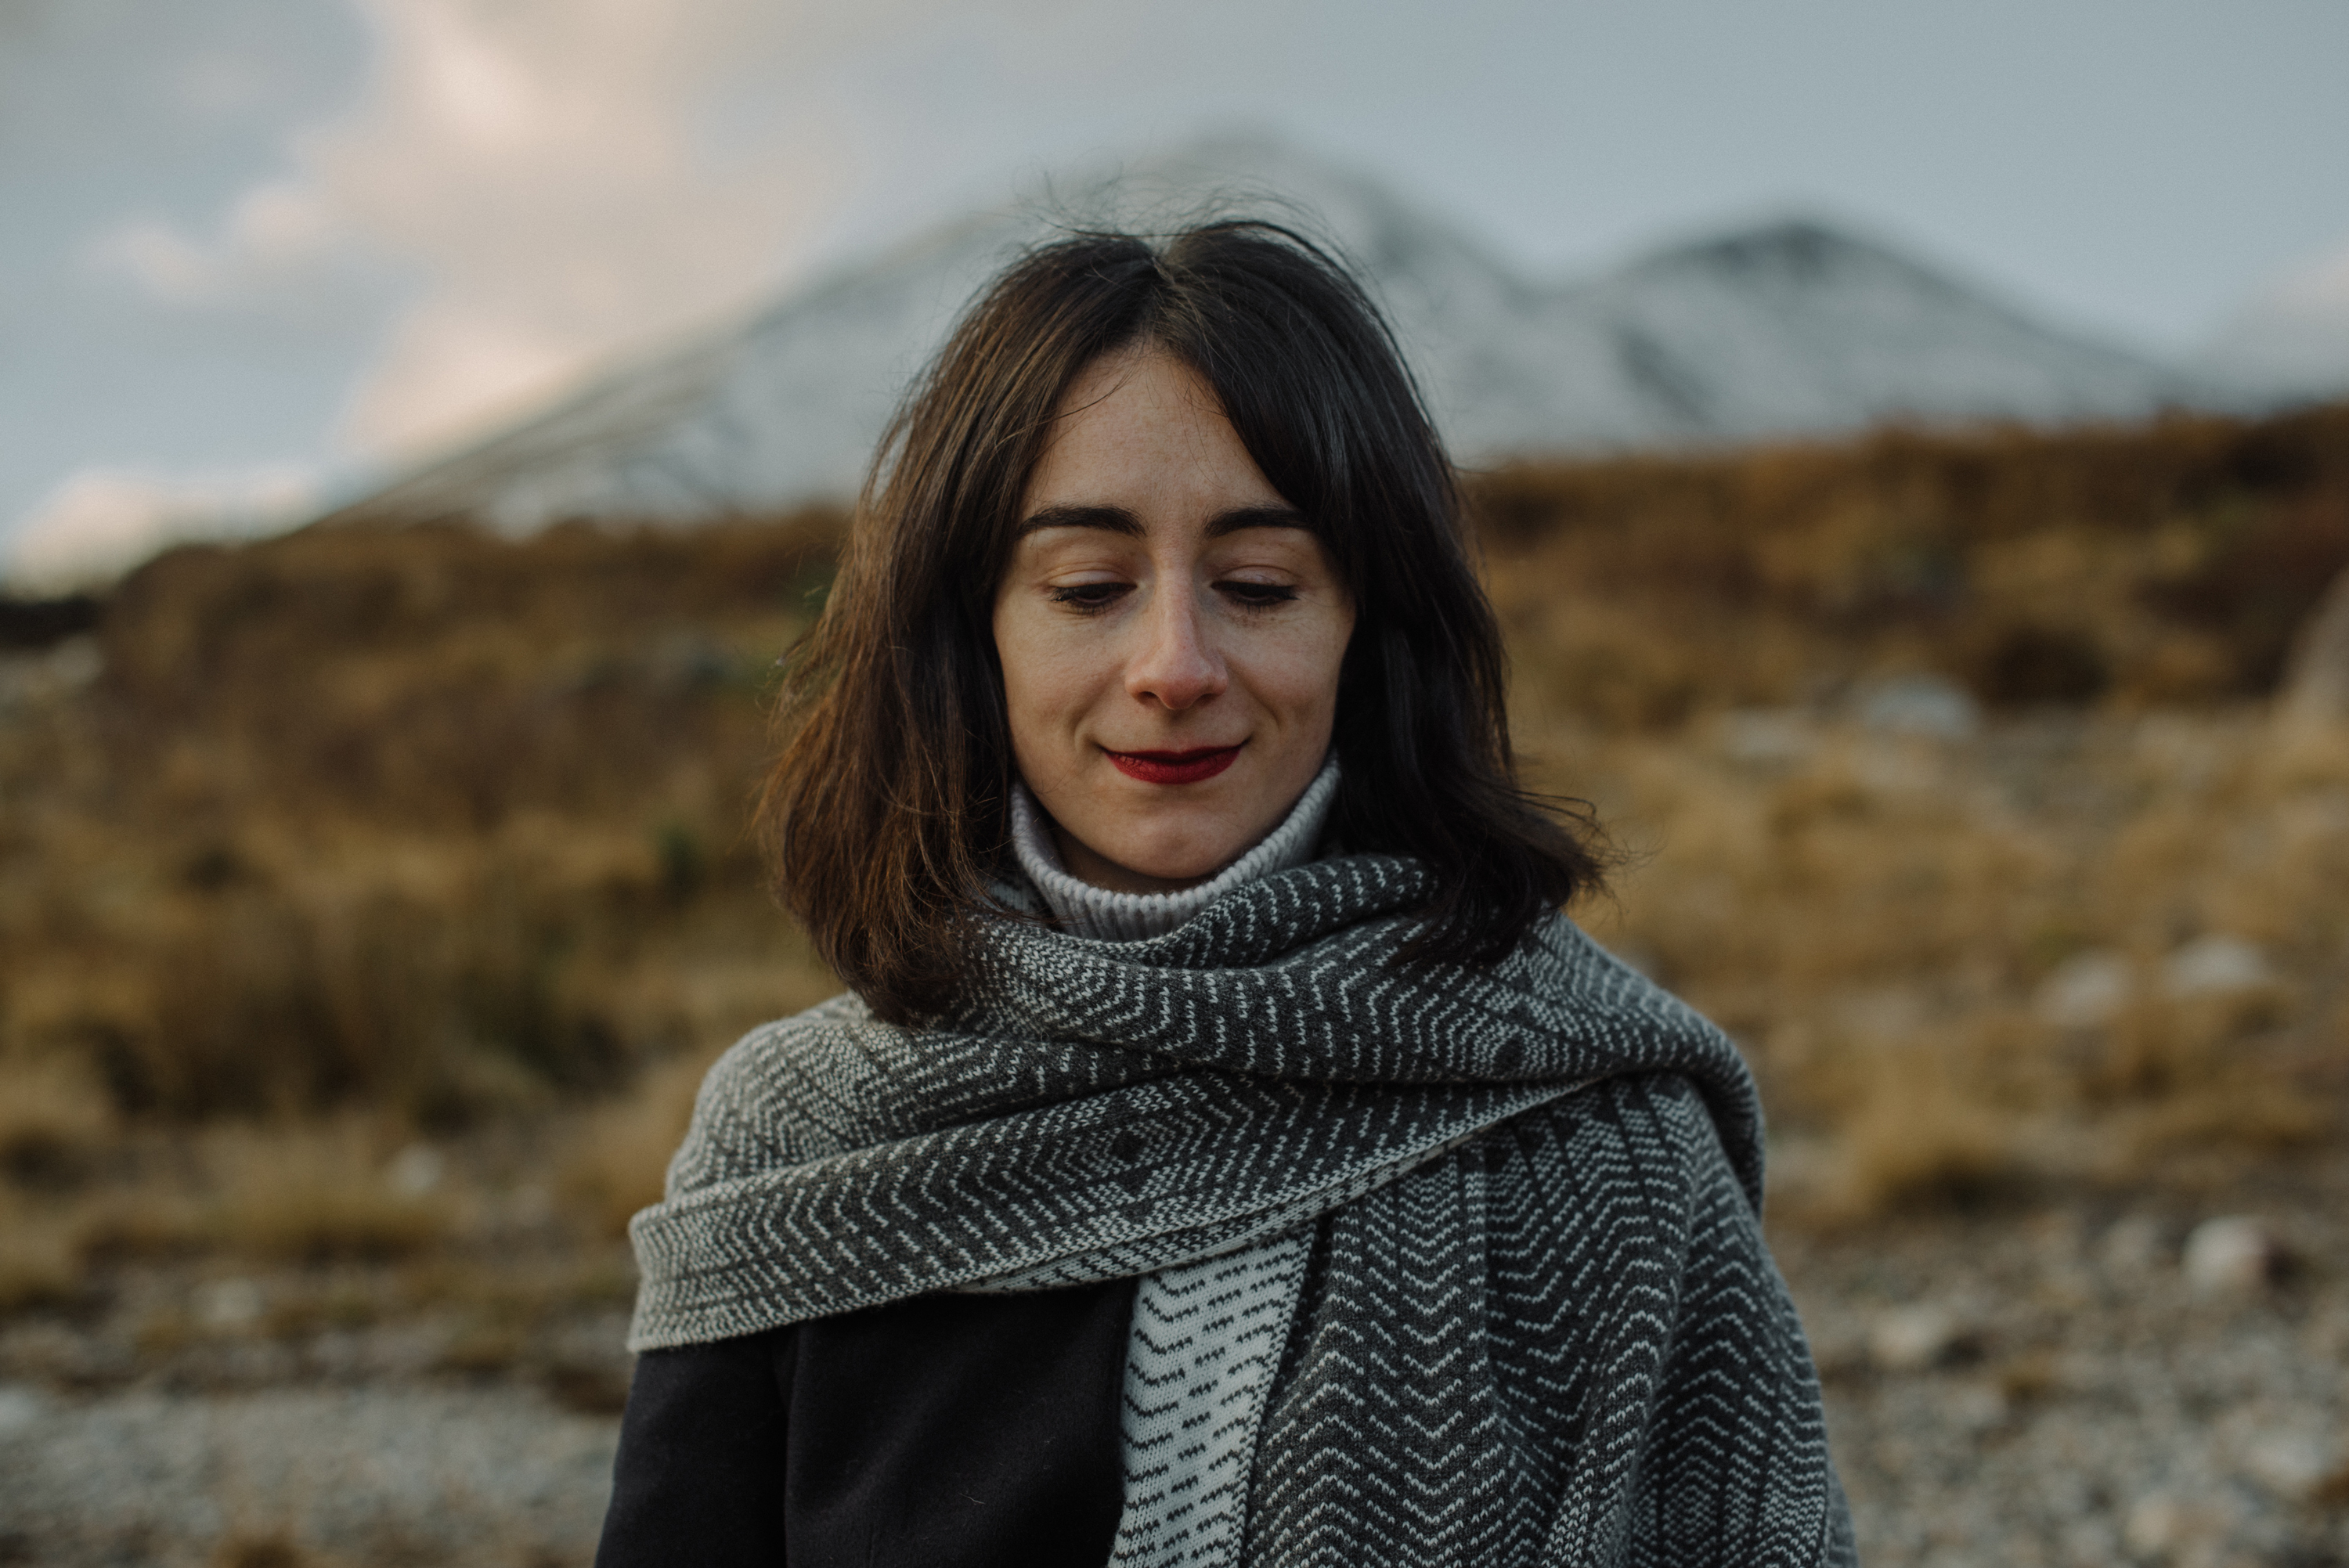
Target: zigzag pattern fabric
x,y
1536,1326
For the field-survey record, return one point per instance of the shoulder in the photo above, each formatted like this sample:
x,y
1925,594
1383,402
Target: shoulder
x,y
772,1049
1665,1054
759,1104
1560,957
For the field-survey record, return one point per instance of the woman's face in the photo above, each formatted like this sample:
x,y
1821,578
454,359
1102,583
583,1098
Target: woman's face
x,y
1170,634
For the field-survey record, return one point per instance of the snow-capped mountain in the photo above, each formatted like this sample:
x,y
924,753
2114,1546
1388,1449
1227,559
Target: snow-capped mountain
x,y
1791,328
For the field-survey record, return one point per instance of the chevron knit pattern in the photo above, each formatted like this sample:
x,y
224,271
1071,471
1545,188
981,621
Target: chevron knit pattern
x,y
1532,1325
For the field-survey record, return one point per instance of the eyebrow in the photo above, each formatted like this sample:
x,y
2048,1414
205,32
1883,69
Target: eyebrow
x,y
1118,520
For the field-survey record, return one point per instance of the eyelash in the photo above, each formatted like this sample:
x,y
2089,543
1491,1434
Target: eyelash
x,y
1091,598
1259,595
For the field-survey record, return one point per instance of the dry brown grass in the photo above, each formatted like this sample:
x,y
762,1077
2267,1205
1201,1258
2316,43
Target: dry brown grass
x,y
1877,916
1880,919
362,836
298,1192
56,1120
2131,567
315,1194
425,821
618,1156
40,1252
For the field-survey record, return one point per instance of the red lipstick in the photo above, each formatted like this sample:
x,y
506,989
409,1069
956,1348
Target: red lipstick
x,y
1174,767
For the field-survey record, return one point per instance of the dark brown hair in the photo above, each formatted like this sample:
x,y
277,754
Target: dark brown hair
x,y
890,803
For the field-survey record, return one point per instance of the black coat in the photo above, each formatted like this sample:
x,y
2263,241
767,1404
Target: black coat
x,y
945,1429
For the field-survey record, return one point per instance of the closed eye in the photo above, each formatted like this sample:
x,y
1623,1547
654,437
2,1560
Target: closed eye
x,y
1256,596
1090,596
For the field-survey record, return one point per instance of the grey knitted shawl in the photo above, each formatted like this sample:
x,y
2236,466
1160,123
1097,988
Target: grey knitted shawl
x,y
1537,1322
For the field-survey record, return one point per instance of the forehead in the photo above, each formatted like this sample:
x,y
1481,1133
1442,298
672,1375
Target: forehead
x,y
1139,426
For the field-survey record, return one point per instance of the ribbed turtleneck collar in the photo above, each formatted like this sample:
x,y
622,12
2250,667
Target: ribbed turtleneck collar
x,y
1106,916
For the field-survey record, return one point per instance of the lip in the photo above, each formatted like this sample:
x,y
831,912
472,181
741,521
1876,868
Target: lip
x,y
1193,767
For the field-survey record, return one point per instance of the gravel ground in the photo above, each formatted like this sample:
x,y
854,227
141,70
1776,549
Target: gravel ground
x,y
2083,1388
361,1475
2083,1384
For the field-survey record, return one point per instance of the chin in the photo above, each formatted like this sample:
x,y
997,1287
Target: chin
x,y
1178,856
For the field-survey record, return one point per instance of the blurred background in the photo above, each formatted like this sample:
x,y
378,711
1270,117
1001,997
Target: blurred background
x,y
1909,448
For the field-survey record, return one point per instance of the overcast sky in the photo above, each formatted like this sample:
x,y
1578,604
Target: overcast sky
x,y
252,248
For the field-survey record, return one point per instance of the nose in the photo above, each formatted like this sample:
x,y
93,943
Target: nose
x,y
1176,665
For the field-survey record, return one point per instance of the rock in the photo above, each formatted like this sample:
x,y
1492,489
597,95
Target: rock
x,y
2293,1466
415,1170
1767,735
20,1410
1919,705
1914,1338
2158,1525
2085,991
2234,1255
228,1304
2216,966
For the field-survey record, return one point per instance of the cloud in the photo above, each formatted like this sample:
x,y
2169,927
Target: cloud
x,y
559,179
101,522
276,234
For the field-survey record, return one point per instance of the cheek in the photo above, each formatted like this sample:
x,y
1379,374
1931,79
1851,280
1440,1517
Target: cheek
x,y
1048,676
1300,674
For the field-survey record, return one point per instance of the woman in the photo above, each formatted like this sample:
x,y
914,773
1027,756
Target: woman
x,y
1227,1153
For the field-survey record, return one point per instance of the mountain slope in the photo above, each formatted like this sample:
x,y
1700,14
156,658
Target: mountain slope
x,y
1795,328
1788,329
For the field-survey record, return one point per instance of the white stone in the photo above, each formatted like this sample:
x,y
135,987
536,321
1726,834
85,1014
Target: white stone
x,y
1767,735
2216,964
1913,1338
228,1303
20,1410
2085,991
2294,1466
1921,705
2234,1255
415,1170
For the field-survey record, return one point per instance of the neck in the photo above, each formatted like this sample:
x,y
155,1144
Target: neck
x,y
1131,907
1099,871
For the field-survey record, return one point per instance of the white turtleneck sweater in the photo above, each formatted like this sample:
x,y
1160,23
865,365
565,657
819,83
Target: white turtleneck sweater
x,y
1206,1336
1106,916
